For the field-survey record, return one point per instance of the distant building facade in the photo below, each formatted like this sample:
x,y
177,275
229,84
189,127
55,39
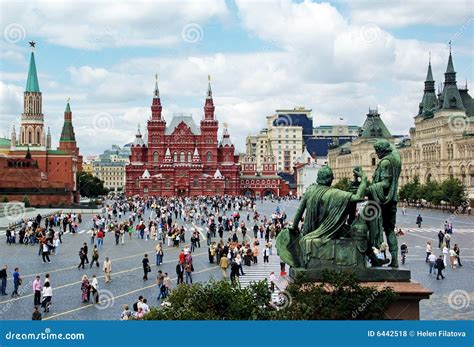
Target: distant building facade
x,y
110,167
359,152
306,171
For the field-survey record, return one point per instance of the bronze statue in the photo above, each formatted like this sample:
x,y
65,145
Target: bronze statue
x,y
327,210
384,193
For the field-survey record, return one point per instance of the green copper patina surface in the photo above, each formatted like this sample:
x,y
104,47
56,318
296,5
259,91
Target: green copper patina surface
x,y
333,235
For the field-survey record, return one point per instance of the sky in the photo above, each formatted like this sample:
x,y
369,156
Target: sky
x,y
337,58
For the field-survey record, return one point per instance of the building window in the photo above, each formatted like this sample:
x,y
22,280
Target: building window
x,y
373,161
195,181
189,156
155,157
175,156
208,156
181,157
167,182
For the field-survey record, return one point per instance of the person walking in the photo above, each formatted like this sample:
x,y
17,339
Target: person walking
x,y
452,259
16,282
160,284
37,290
224,264
100,238
86,251
146,267
440,239
47,296
440,267
95,289
167,284
85,289
447,240
45,252
95,257
159,254
188,269
107,268
179,273
266,254
428,249
4,277
255,254
458,251
93,233
432,262
82,257
445,255
419,220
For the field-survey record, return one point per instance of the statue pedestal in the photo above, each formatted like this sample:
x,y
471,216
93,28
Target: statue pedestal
x,y
407,304
376,274
409,293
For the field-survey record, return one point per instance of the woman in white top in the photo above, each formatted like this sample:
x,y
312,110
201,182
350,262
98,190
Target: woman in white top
x,y
445,255
95,289
47,295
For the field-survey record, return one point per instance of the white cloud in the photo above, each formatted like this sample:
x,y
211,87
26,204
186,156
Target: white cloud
x,y
400,13
78,24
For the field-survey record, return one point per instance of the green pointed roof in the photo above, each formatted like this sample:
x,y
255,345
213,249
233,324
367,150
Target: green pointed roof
x,y
67,133
32,84
450,67
374,127
429,74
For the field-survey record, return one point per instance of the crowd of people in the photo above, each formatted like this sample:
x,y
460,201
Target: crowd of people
x,y
232,229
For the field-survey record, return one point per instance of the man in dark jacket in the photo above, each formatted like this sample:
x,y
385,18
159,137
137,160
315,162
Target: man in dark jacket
x,y
440,239
3,277
440,266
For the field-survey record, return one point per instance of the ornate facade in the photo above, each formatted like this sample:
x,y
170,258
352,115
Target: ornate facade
x,y
182,158
441,145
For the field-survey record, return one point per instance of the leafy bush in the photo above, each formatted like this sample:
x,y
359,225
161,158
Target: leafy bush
x,y
338,296
5,199
215,300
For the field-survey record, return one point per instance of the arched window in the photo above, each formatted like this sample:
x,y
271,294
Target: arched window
x,y
155,157
181,157
196,181
30,136
38,137
175,156
208,156
189,156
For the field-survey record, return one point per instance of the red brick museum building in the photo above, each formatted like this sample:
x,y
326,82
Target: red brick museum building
x,y
183,159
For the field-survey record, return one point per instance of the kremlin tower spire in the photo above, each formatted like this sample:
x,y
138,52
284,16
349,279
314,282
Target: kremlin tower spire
x,y
209,105
32,119
156,104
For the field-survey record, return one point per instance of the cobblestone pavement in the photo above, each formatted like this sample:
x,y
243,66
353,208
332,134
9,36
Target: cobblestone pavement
x,y
452,298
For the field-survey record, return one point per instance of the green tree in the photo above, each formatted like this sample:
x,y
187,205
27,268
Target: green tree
x,y
5,199
26,201
343,184
453,191
90,186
